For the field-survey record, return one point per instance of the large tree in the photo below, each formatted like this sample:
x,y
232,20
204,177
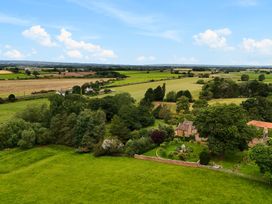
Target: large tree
x,y
226,128
183,104
118,128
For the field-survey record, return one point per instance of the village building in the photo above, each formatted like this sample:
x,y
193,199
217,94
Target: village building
x,y
260,125
187,129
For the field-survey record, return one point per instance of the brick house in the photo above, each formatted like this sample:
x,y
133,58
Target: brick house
x,y
260,125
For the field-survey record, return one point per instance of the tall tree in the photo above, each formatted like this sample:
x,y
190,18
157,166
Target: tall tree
x,y
158,94
244,77
226,128
183,104
118,128
261,77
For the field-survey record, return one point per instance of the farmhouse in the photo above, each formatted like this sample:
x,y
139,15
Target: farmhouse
x,y
186,129
260,125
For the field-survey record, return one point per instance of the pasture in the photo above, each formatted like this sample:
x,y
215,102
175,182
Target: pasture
x,y
143,76
8,110
56,174
26,87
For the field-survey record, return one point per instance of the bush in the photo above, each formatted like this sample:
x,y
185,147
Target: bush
x,y
139,146
204,157
28,139
2,100
200,81
158,136
109,146
12,98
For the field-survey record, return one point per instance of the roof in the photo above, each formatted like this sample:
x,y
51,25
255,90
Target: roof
x,y
185,125
260,124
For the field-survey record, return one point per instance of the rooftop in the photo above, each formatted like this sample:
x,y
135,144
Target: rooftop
x,y
260,124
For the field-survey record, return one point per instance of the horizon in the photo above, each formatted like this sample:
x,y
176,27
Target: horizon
x,y
138,33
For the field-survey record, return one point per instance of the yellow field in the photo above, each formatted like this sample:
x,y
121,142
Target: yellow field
x,y
5,72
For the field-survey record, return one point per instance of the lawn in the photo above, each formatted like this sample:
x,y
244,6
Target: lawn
x,y
8,110
144,76
58,175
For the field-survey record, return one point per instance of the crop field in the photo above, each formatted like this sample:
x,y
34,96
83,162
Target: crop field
x,y
10,109
144,76
31,176
21,87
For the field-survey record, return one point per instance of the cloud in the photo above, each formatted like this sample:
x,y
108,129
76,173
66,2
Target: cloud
x,y
263,46
7,19
148,24
13,54
75,48
74,54
247,3
38,34
143,58
215,39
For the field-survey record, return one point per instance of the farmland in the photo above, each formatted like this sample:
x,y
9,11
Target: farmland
x,y
68,177
21,87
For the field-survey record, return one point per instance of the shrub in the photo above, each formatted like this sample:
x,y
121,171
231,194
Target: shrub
x,y
28,139
2,101
12,98
200,81
158,136
109,146
204,157
139,146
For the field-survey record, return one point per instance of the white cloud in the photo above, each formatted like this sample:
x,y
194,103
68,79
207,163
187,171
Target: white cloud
x,y
215,39
143,58
6,19
75,48
168,34
263,46
247,2
13,54
74,54
38,34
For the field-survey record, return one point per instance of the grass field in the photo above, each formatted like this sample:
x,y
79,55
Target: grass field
x,y
138,90
8,110
58,175
21,87
143,76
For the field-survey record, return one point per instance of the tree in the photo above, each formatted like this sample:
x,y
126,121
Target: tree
x,y
163,90
12,98
171,96
259,108
226,128
188,94
179,94
158,94
183,104
244,77
35,73
90,128
27,72
262,155
149,95
164,113
261,77
76,89
118,128
199,104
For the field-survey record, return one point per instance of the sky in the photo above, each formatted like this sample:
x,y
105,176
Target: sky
x,y
225,32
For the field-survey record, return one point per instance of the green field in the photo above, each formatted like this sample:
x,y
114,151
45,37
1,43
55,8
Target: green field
x,y
58,175
10,109
138,90
143,76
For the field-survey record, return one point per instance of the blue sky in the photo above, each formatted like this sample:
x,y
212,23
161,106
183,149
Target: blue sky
x,y
137,31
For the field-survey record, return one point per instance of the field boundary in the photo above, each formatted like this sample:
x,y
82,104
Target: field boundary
x,y
197,165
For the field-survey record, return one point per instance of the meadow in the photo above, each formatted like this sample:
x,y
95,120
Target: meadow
x,y
8,110
56,174
143,76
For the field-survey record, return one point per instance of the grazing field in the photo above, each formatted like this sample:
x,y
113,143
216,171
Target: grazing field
x,y
138,90
144,76
58,175
21,87
8,110
236,101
